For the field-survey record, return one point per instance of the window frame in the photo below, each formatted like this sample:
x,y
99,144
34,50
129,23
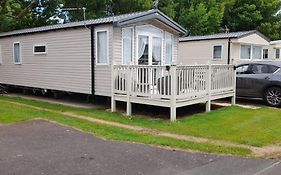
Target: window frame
x,y
96,48
40,53
20,53
217,59
133,45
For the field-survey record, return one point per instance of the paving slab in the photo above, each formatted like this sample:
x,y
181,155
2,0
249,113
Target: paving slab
x,y
40,147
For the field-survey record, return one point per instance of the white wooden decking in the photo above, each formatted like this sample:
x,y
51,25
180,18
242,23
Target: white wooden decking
x,y
172,86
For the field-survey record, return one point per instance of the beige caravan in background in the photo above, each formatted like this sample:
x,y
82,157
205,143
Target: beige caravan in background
x,y
225,48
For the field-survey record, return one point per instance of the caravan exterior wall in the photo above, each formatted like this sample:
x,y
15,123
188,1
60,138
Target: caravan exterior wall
x,y
66,65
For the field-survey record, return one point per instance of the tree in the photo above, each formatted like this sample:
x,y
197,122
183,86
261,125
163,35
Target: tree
x,y
203,17
254,15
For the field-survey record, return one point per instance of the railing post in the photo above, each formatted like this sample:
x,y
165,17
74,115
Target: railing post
x,y
173,107
209,88
113,101
128,89
233,98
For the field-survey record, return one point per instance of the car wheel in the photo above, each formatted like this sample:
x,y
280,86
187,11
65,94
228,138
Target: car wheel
x,y
272,96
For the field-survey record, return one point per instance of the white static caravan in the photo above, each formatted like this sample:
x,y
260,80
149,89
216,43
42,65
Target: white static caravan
x,y
64,57
130,58
275,50
225,48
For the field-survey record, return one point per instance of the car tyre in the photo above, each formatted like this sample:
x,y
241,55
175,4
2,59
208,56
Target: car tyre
x,y
272,96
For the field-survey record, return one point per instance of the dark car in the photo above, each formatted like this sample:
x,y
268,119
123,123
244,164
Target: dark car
x,y
260,80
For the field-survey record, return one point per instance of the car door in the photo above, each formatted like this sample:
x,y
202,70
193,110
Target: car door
x,y
258,77
242,72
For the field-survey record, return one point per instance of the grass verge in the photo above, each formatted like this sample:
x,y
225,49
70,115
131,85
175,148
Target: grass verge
x,y
11,113
259,127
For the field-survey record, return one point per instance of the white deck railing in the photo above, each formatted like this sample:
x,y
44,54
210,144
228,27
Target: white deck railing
x,y
171,85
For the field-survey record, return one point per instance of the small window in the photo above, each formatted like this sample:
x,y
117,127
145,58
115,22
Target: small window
x,y
127,37
217,52
277,53
39,49
245,52
169,49
102,47
265,53
17,53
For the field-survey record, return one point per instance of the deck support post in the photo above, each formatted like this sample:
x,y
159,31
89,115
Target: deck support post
x,y
233,98
173,107
113,101
128,89
209,88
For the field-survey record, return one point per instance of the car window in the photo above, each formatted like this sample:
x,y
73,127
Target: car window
x,y
272,68
243,69
262,69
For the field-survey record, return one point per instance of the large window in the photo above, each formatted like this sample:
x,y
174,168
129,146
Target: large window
x,y
245,52
17,53
277,53
102,47
251,52
169,49
127,39
217,52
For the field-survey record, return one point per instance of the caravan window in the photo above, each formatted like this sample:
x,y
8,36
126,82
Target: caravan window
x,y
169,48
217,52
17,53
245,52
39,49
127,39
277,54
257,52
102,47
265,53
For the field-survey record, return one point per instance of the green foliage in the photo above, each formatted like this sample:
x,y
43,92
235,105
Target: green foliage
x,y
202,17
199,17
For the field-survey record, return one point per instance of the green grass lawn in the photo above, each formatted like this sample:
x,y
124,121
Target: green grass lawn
x,y
246,126
12,113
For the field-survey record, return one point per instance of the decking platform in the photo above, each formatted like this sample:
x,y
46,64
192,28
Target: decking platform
x,y
172,86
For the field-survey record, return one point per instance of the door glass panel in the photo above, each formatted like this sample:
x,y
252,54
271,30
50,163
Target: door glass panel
x,y
143,50
156,50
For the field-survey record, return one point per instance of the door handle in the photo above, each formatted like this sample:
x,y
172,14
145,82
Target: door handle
x,y
267,78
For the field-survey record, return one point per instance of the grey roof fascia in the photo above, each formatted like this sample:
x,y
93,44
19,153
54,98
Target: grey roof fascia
x,y
153,14
232,35
115,20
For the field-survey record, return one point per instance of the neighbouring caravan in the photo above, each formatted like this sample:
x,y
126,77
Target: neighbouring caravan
x,y
225,48
77,57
